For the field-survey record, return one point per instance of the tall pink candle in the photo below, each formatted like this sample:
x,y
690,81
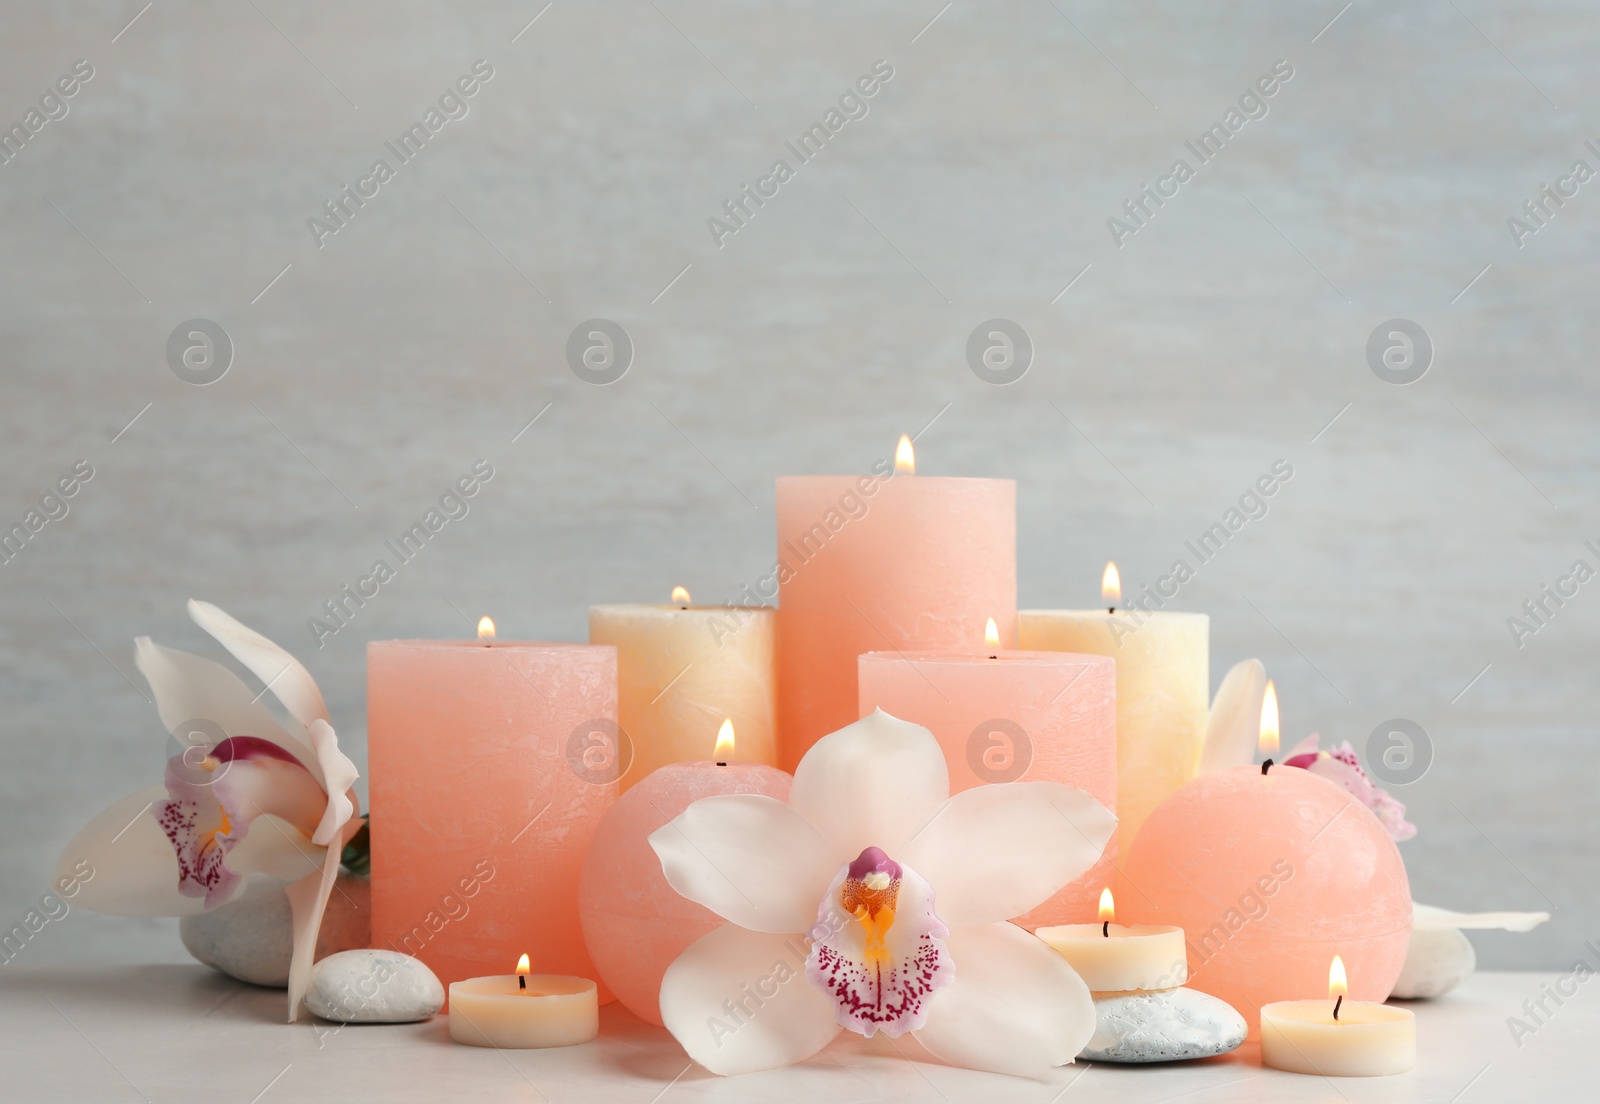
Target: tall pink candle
x,y
1015,716
879,563
490,765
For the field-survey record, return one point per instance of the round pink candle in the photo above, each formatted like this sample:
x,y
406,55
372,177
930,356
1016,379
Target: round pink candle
x,y
634,922
1013,716
488,775
1270,876
874,562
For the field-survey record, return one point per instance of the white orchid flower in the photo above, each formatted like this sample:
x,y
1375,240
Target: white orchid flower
x,y
875,901
255,799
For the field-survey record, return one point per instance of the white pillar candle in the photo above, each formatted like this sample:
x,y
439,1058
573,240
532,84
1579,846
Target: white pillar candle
x,y
681,671
554,1010
1338,1037
1112,958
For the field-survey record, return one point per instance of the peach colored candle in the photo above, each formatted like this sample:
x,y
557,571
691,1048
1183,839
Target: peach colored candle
x,y
490,768
872,563
1008,716
1270,875
634,922
681,670
1163,692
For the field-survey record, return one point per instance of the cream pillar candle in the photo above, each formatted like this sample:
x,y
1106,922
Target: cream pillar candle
x,y
1338,1037
681,671
1163,694
1113,957
524,1011
1007,716
874,563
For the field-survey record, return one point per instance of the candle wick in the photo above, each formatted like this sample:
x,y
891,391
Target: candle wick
x,y
522,981
1111,609
721,763
1105,928
1265,765
1336,1005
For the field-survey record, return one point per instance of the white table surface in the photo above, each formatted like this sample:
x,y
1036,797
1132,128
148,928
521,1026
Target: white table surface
x,y
184,1033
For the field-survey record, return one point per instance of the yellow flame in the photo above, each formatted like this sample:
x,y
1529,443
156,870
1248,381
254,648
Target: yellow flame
x,y
1111,583
991,634
485,628
680,596
1108,907
1269,720
522,965
724,750
905,460
1338,985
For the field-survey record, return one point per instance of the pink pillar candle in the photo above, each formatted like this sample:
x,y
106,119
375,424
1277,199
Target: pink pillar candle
x,y
875,563
1271,876
491,765
634,922
1010,716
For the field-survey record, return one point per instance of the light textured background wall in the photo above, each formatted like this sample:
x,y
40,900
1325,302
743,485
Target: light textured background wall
x,y
1222,337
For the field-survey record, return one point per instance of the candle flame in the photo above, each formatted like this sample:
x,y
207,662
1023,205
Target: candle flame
x,y
680,596
1338,985
1269,720
522,966
485,628
905,460
991,634
1111,583
724,750
1108,907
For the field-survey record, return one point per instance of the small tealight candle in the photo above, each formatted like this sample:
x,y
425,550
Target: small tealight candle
x,y
1336,1037
1113,958
524,1011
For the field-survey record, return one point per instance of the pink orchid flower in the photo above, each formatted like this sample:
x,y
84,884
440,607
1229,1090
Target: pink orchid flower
x,y
249,798
1342,766
874,901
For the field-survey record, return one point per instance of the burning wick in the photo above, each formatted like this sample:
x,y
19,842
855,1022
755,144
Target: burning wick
x,y
1269,725
680,597
1338,984
1105,928
1111,586
1108,912
1336,1005
724,748
522,973
486,630
991,637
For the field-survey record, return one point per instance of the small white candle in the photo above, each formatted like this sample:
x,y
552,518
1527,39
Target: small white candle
x,y
524,1011
1337,1037
1114,958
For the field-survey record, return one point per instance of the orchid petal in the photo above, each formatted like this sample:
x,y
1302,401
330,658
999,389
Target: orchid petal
x,y
125,865
871,784
879,952
283,673
308,899
1342,769
191,688
338,775
1433,918
1015,1007
738,1002
994,852
749,859
1234,728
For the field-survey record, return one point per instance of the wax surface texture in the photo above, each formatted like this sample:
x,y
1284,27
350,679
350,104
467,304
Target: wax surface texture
x,y
920,563
1368,1040
1146,956
1270,877
553,1011
488,776
682,672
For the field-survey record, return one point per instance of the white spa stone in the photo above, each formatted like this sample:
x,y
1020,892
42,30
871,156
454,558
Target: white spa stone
x,y
1438,960
1163,1025
251,939
373,986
